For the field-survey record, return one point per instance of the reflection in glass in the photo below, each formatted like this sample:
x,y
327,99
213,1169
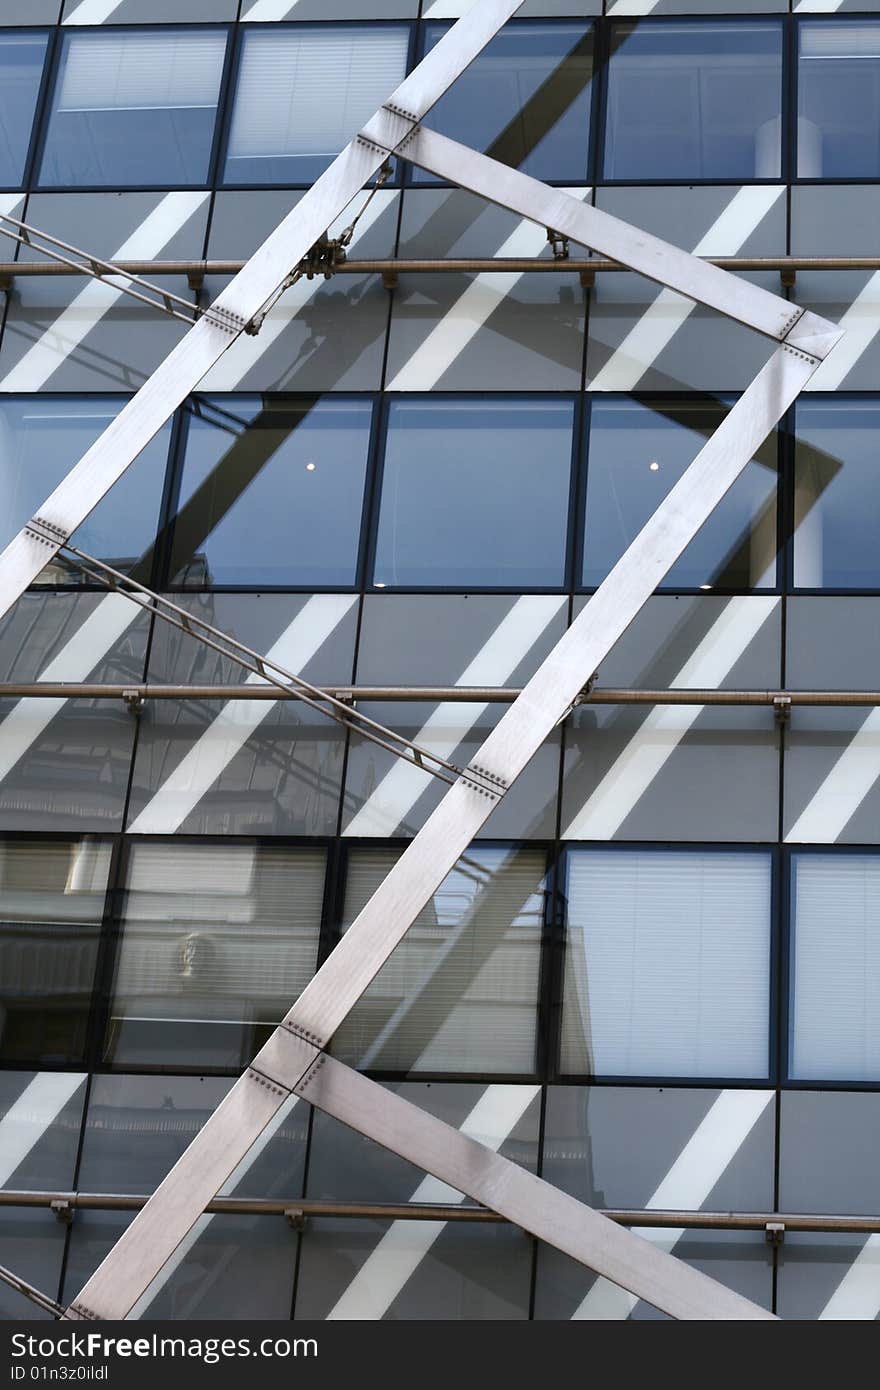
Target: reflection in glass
x,y
217,942
41,438
303,92
21,67
667,964
835,967
837,494
475,492
525,99
459,993
272,492
637,451
839,99
699,100
51,906
134,108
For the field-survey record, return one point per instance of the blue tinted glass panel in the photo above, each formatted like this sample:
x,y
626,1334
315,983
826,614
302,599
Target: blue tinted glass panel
x,y
302,93
837,494
41,438
134,108
21,67
698,100
525,99
839,100
475,493
637,452
272,493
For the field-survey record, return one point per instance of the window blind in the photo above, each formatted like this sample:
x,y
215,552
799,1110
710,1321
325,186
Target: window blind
x,y
308,92
110,72
667,964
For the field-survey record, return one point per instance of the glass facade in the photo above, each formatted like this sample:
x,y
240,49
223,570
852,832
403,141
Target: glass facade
x,y
653,977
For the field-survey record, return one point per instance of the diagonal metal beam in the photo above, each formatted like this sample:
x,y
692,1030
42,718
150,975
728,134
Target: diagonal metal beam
x,y
179,1201
256,286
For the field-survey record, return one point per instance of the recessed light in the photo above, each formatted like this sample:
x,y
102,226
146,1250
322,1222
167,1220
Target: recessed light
x,y
378,584
310,468
654,466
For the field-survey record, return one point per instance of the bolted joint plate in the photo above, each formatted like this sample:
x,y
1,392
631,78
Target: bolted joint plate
x,y
813,335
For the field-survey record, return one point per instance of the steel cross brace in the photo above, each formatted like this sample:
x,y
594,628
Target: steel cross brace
x,y
294,1060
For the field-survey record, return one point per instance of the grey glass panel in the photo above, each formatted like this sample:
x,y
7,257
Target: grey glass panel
x,y
41,438
217,942
460,992
475,493
637,452
835,969
697,100
33,1248
828,1275
837,494
839,99
134,108
667,964
272,493
525,99
51,905
303,92
828,1144
21,68
40,1119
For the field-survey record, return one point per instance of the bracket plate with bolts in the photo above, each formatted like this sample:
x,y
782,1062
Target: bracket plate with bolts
x,y
62,1210
134,701
774,1232
782,709
295,1218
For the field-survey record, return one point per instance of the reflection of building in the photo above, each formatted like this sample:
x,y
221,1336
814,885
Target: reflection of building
x,y
655,977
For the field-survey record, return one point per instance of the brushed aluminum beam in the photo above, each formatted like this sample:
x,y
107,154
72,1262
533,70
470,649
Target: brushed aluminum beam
x,y
326,1001
238,305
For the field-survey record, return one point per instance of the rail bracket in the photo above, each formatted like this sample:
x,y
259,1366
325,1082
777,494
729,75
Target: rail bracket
x,y
134,701
558,245
782,709
295,1218
774,1232
62,1210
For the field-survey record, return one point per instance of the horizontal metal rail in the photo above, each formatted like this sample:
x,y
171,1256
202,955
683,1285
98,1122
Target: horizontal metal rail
x,y
197,270
445,694
62,1203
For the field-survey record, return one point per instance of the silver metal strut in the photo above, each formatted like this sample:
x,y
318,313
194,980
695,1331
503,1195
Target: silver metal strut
x,y
293,1061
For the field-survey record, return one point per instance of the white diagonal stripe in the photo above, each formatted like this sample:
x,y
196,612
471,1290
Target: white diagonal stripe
x,y
661,321
246,351
449,338
76,660
192,1237
449,723
233,726
862,324
406,1243
28,1118
447,9
264,11
632,7
699,1167
88,307
92,11
839,796
661,732
817,6
857,1296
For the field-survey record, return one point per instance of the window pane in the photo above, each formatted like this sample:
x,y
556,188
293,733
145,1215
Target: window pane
x,y
637,452
460,992
217,941
40,441
835,980
837,494
839,100
21,67
272,493
667,964
51,906
475,492
525,99
302,94
696,100
134,108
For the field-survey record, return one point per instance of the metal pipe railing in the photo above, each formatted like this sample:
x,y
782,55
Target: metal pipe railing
x,y
470,265
63,1203
453,694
